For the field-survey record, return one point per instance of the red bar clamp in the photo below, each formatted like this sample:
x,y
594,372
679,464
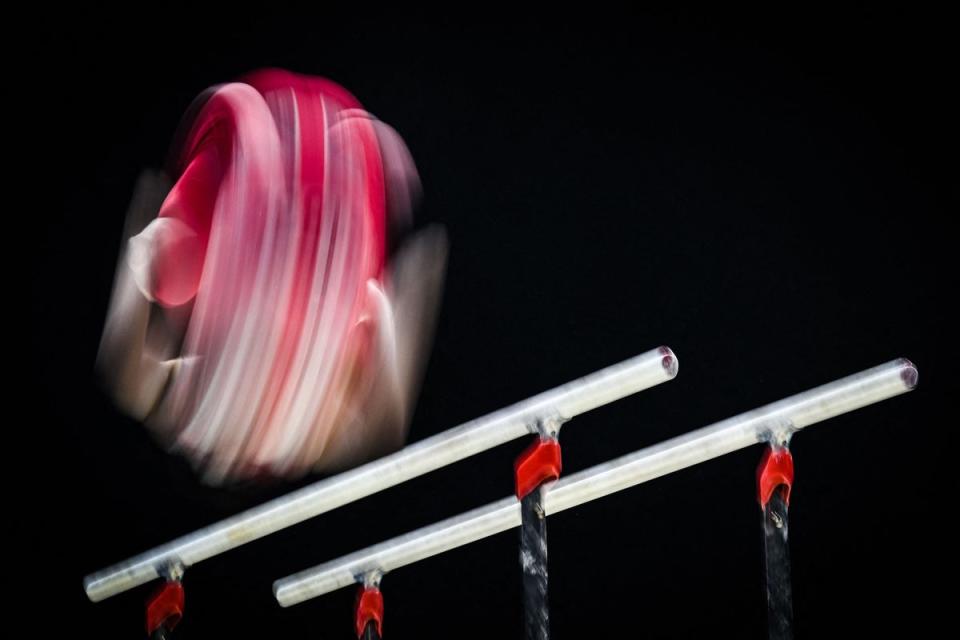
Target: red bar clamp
x,y
775,470
539,463
165,607
369,607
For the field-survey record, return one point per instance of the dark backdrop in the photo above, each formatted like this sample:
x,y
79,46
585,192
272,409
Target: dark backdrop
x,y
769,195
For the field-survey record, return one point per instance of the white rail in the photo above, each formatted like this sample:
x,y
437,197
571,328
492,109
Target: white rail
x,y
774,421
564,402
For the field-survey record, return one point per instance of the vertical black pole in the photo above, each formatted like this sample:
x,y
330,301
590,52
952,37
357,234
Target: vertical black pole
x,y
774,482
776,551
533,561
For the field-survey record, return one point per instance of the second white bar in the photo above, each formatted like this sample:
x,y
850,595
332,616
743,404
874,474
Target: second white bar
x,y
773,421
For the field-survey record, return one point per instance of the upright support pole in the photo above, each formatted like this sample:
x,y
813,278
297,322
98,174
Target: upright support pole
x,y
533,562
774,480
535,467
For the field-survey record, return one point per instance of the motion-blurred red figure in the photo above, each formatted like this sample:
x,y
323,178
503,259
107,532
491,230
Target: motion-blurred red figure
x,y
256,325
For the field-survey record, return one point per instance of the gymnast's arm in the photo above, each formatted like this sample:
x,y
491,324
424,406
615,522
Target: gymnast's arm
x,y
134,367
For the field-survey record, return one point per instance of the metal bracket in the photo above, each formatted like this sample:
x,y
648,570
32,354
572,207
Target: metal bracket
x,y
547,426
778,435
172,571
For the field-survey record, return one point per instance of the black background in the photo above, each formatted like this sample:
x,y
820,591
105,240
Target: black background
x,y
769,195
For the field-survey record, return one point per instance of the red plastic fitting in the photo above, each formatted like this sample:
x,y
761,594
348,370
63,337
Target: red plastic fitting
x,y
369,607
775,470
539,463
165,606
